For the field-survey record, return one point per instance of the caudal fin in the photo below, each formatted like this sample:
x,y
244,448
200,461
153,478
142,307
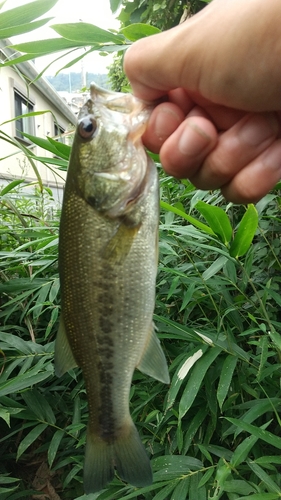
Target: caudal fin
x,y
127,454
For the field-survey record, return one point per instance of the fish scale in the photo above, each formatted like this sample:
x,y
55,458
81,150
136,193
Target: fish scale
x,y
108,265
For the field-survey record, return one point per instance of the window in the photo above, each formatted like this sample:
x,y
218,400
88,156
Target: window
x,y
23,106
59,131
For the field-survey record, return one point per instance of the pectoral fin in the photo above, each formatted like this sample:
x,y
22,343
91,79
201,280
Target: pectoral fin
x,y
120,244
64,359
153,361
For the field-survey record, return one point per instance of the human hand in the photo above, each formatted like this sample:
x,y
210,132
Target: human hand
x,y
220,125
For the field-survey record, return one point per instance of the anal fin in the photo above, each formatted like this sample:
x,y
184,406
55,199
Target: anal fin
x,y
64,359
153,361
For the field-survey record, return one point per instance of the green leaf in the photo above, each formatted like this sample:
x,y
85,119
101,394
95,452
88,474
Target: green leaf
x,y
164,492
266,436
195,380
217,219
25,13
238,486
245,233
206,477
188,295
139,30
181,490
181,373
87,33
30,438
63,149
54,445
227,370
276,338
187,217
5,415
11,186
22,28
172,466
50,145
46,47
243,449
114,5
271,459
265,478
23,381
261,496
214,268
193,427
39,406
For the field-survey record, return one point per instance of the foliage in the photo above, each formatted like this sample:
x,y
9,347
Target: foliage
x,y
163,14
215,432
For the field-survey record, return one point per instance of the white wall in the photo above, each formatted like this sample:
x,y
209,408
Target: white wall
x,y
13,164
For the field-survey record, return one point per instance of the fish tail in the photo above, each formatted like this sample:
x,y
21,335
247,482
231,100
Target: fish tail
x,y
126,453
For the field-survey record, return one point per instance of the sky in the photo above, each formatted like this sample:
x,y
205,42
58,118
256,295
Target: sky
x,y
67,11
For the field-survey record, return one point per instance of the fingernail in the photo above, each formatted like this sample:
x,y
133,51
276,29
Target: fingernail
x,y
258,129
193,140
166,123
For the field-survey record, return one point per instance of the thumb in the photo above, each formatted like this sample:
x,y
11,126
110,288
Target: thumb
x,y
154,65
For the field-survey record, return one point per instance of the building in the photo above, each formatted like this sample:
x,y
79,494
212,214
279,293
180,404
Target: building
x,y
18,98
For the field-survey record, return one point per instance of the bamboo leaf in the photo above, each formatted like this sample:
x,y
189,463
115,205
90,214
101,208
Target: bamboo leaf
x,y
266,436
181,490
164,492
276,338
87,33
54,445
192,220
25,13
114,5
206,477
139,30
22,28
45,47
238,486
30,438
49,145
261,496
181,373
245,233
23,381
214,268
268,460
63,149
195,380
217,219
193,427
228,368
39,405
11,186
241,452
265,478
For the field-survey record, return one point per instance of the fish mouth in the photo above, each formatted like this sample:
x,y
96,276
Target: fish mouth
x,y
136,110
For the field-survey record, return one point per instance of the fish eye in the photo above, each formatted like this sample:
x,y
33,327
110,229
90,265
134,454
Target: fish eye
x,y
87,127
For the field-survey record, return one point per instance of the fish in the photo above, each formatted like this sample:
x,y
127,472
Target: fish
x,y
108,242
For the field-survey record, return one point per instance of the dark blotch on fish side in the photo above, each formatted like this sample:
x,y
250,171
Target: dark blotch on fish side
x,y
105,324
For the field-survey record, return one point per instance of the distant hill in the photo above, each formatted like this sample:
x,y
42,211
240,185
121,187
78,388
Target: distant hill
x,y
73,82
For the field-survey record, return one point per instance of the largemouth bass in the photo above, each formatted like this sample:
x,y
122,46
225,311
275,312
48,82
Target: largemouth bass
x,y
108,263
